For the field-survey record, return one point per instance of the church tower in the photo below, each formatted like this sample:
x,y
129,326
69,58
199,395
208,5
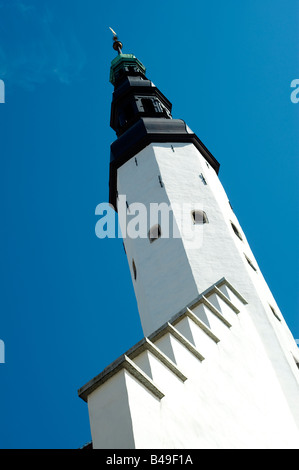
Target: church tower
x,y
218,366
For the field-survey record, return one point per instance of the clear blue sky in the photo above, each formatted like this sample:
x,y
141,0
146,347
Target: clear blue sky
x,y
67,303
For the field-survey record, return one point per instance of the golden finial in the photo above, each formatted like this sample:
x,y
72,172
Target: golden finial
x,y
117,45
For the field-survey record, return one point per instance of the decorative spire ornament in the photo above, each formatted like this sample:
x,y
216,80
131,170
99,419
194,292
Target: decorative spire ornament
x,y
117,45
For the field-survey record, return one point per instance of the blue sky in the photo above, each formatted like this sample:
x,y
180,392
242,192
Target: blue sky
x,y
67,303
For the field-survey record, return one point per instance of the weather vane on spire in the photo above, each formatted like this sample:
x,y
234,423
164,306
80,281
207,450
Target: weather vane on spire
x,y
117,45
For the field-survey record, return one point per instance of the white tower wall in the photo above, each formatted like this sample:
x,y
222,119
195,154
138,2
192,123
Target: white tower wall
x,y
172,272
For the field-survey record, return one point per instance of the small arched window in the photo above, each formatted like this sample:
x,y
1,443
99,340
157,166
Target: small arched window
x,y
154,233
199,217
236,231
134,269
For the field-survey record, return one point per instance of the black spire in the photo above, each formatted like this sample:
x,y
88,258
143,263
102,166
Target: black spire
x,y
141,115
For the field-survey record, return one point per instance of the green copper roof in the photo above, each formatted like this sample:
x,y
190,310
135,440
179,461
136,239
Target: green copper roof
x,y
124,60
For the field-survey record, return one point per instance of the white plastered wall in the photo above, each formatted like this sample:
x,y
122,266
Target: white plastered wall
x,y
171,273
230,398
110,416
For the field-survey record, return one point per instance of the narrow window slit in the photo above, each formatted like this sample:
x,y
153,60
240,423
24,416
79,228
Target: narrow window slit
x,y
203,179
236,231
250,263
274,313
134,269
